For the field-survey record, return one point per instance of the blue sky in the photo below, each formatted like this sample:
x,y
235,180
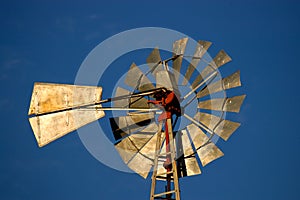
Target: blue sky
x,y
47,41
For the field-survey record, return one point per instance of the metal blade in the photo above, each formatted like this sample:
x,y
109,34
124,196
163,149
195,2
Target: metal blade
x,y
126,149
161,171
126,125
207,152
140,139
134,102
166,79
221,59
141,165
223,128
124,102
131,145
137,79
197,135
154,60
50,97
232,104
143,161
191,164
50,127
178,50
228,82
201,49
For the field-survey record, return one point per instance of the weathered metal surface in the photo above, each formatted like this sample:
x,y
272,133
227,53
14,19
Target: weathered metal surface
x,y
135,102
125,125
138,150
143,161
223,128
192,167
126,149
137,79
207,152
232,104
228,82
50,127
123,103
198,137
141,138
178,50
201,49
221,59
153,61
50,97
166,79
141,165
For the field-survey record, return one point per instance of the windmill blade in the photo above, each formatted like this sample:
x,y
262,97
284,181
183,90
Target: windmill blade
x,y
135,102
201,49
166,79
232,104
154,61
126,125
191,164
223,128
138,151
207,152
50,127
122,103
226,83
221,59
51,97
137,79
178,50
126,149
161,171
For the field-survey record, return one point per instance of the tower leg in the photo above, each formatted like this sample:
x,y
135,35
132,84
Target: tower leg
x,y
170,165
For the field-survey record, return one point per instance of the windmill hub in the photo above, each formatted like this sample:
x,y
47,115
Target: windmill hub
x,y
169,102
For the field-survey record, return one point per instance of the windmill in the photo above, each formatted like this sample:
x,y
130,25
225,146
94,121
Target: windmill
x,y
149,137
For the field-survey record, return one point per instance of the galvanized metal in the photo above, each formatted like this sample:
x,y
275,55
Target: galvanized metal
x,y
126,125
166,79
222,127
207,152
226,83
201,49
137,79
50,97
220,59
138,151
178,51
191,164
232,104
50,127
154,61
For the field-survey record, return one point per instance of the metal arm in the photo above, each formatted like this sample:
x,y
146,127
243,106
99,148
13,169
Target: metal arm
x,y
88,106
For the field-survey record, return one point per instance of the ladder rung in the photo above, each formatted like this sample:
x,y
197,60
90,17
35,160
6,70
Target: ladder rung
x,y
162,177
163,198
164,193
165,173
165,153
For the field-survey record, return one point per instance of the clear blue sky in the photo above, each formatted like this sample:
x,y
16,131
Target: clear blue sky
x,y
43,41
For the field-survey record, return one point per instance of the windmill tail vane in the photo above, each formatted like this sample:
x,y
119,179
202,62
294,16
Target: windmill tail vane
x,y
145,137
